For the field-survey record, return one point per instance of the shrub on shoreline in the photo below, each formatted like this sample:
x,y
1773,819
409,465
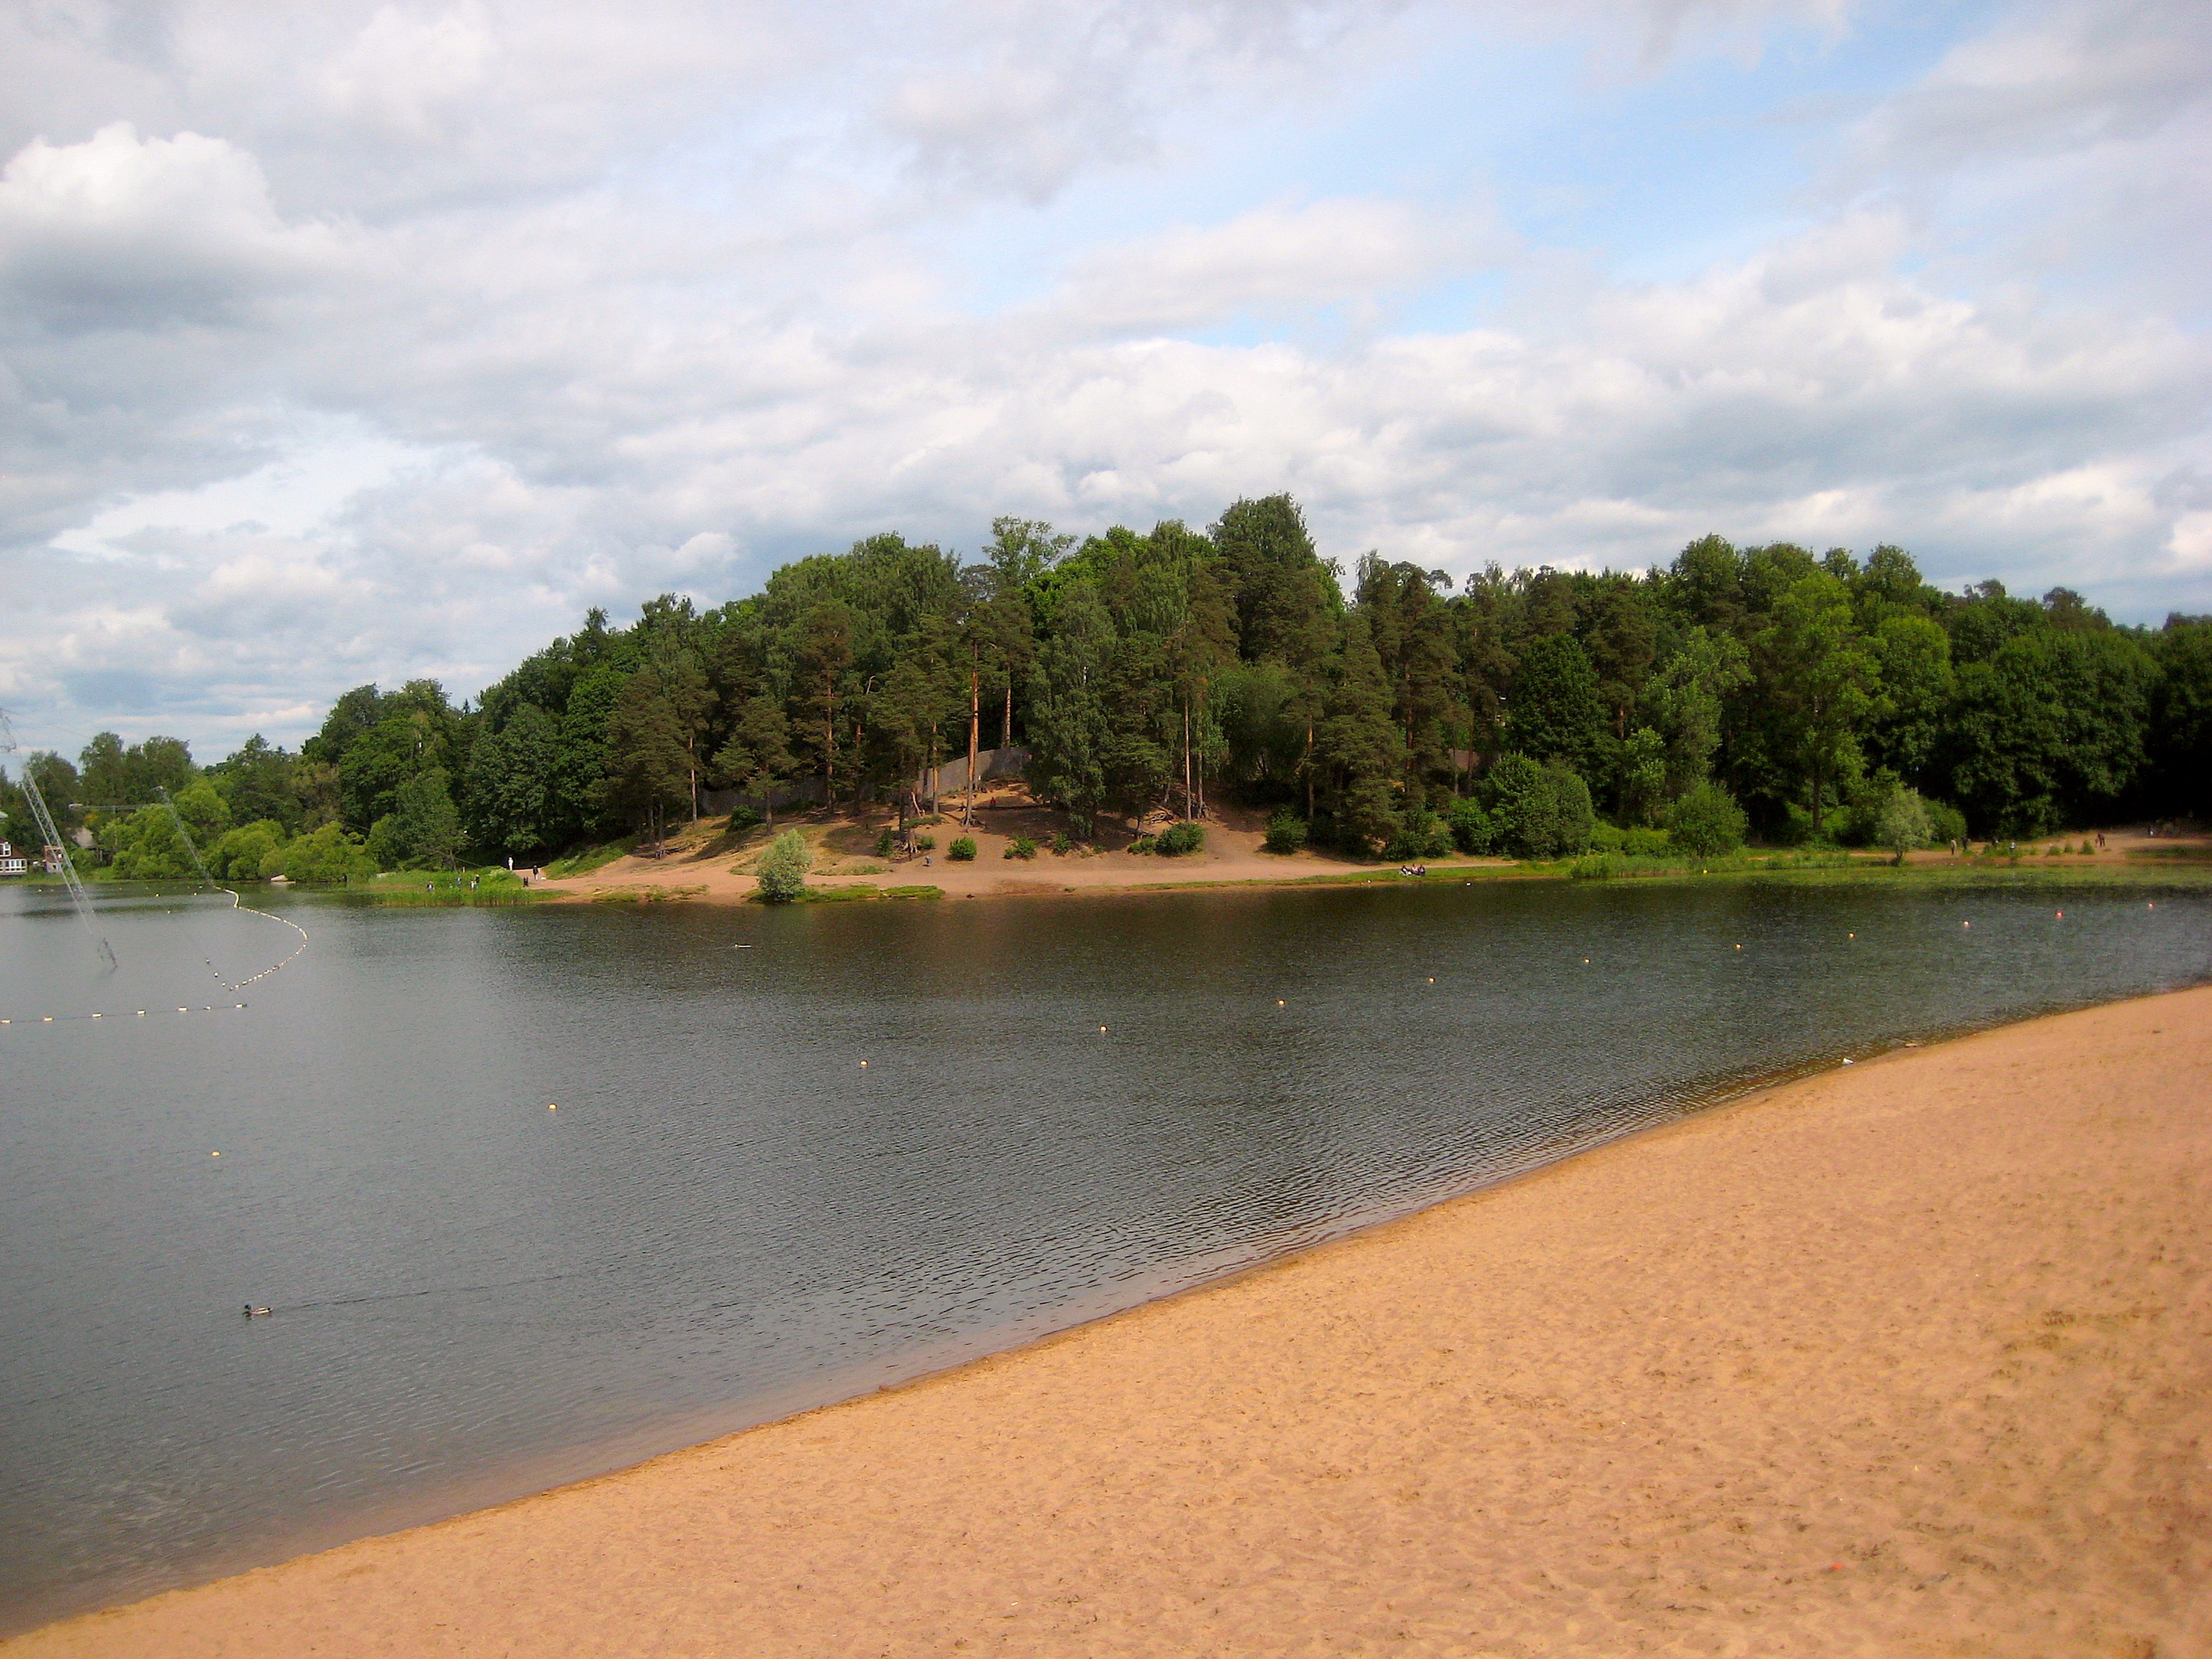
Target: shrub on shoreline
x,y
962,850
782,869
1178,839
1708,821
1286,833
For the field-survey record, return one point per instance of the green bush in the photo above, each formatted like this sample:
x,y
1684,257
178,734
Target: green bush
x,y
1597,866
924,843
741,821
1286,833
1021,847
1473,831
1542,811
1946,823
962,851
1178,839
1063,844
1903,823
1707,821
1646,843
1144,844
887,843
239,855
1605,838
782,869
325,855
1432,839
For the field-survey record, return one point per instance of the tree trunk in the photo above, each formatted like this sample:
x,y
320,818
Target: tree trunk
x,y
974,738
829,741
1006,726
1186,759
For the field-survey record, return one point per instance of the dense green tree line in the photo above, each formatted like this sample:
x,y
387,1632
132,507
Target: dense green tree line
x,y
1806,694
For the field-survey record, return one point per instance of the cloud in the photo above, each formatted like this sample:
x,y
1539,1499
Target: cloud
x,y
352,341
121,232
1274,261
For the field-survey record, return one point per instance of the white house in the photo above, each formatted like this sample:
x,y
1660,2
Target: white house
x,y
11,862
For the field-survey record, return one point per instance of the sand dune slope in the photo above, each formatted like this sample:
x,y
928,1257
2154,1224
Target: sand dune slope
x,y
1910,1359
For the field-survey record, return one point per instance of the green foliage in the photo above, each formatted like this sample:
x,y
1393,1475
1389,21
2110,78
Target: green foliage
x,y
1707,821
1286,833
1903,822
1557,712
962,850
1539,812
781,871
2051,727
1431,839
240,854
1063,843
508,793
144,847
583,861
1179,839
1147,665
114,776
1021,847
330,853
257,782
1474,831
886,843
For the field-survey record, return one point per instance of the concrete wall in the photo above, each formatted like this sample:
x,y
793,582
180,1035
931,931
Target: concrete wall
x,y
989,763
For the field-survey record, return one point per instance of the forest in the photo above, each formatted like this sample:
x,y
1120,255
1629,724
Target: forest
x,y
1385,711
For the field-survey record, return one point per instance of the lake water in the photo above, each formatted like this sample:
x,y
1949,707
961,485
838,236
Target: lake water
x,y
730,1216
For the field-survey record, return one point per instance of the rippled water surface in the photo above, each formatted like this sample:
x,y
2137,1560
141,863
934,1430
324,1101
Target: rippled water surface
x,y
799,1153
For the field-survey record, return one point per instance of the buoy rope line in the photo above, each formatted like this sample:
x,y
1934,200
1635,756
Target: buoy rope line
x,y
238,989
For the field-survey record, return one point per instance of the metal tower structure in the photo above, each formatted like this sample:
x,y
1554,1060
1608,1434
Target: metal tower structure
x,y
53,838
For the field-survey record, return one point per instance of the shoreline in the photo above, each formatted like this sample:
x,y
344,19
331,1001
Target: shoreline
x,y
707,865
1043,1401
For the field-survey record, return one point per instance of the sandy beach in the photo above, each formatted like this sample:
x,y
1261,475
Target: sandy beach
x,y
1911,1358
704,864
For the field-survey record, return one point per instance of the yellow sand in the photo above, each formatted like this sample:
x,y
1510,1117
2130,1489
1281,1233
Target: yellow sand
x,y
1911,1359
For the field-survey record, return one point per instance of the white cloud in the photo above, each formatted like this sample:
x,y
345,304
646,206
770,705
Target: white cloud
x,y
354,342
1275,260
120,231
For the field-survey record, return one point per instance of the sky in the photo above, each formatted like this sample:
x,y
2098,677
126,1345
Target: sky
x,y
347,342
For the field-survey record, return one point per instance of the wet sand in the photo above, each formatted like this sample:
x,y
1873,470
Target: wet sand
x,y
1911,1357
